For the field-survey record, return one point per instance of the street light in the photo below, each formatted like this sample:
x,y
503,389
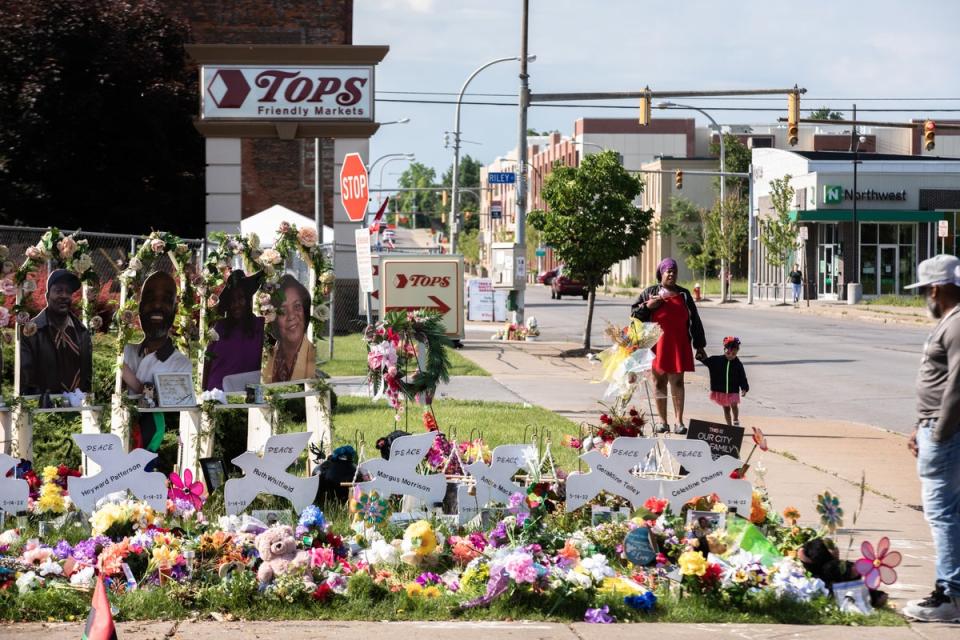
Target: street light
x,y
854,293
405,156
454,187
409,157
723,182
400,121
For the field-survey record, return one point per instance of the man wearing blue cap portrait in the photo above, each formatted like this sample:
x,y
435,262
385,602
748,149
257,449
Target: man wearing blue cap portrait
x,y
58,357
936,439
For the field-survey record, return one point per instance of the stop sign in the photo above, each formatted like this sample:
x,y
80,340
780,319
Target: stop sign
x,y
354,191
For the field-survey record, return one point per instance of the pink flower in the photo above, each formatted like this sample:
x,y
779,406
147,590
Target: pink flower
x,y
67,247
4,317
382,356
322,557
307,237
284,227
519,566
877,567
157,245
186,489
34,253
213,301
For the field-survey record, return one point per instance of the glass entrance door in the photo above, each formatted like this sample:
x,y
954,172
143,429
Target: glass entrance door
x,y
826,271
887,276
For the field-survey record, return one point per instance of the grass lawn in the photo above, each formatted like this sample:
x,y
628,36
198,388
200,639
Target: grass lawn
x,y
350,358
496,422
896,301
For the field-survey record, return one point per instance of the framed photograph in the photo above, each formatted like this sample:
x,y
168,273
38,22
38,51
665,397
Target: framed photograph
x,y
852,597
599,515
174,390
214,473
702,523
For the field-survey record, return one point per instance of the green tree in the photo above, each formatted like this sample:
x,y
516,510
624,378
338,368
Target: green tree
x,y
685,222
96,117
469,245
779,233
468,178
825,113
726,235
738,159
418,176
592,222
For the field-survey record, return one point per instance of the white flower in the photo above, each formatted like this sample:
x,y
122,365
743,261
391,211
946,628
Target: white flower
x,y
50,568
157,245
212,335
82,578
596,565
135,264
381,552
9,537
254,241
95,323
83,263
577,579
29,286
270,257
321,312
4,252
28,581
214,395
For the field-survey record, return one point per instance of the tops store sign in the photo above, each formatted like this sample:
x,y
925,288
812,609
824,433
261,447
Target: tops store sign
x,y
326,93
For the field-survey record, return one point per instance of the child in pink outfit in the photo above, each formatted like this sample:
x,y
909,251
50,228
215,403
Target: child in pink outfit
x,y
728,380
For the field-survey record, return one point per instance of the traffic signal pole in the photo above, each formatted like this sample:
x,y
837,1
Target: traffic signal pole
x,y
521,221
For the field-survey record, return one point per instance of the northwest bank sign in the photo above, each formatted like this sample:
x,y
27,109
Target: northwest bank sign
x,y
286,93
836,194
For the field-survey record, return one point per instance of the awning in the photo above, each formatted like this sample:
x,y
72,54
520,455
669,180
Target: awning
x,y
865,215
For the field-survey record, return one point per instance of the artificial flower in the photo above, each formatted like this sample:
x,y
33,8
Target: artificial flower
x,y
641,602
791,515
599,616
831,513
692,563
184,488
877,566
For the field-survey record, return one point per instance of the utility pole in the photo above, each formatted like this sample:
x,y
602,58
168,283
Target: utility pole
x,y
521,221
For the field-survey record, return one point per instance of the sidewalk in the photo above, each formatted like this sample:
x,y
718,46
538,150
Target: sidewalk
x,y
806,457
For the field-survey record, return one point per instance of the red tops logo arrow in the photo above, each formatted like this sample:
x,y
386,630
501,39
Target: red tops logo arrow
x,y
400,281
439,305
228,88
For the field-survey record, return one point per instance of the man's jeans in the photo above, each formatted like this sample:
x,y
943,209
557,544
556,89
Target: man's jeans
x,y
796,291
938,465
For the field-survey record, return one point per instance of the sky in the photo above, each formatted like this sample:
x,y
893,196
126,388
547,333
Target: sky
x,y
840,51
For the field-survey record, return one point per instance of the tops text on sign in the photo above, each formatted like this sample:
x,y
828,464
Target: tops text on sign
x,y
286,92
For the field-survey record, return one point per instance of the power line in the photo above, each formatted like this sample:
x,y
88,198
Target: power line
x,y
806,98
937,109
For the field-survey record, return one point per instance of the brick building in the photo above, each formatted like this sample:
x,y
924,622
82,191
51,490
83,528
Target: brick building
x,y
271,171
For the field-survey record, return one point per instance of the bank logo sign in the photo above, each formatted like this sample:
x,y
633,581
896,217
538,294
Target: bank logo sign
x,y
286,93
832,194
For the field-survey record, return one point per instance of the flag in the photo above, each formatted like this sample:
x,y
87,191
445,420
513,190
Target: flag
x,y
100,621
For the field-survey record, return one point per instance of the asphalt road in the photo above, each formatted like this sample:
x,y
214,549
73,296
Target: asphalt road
x,y
798,365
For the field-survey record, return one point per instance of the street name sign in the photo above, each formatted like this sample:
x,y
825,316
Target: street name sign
x,y
501,177
424,281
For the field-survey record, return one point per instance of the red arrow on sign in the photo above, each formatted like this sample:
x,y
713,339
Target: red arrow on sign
x,y
441,306
401,281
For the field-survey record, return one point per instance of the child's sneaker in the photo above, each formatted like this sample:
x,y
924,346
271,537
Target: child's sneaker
x,y
736,423
680,429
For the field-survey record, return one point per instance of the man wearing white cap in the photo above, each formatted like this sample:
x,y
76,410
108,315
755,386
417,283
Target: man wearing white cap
x,y
936,440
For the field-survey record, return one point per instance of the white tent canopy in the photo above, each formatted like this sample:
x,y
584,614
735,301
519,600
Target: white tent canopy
x,y
266,223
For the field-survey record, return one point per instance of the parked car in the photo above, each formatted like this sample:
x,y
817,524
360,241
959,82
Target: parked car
x,y
563,285
546,277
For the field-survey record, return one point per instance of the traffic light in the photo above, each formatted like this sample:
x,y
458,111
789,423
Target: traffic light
x,y
679,179
929,135
443,198
645,107
793,118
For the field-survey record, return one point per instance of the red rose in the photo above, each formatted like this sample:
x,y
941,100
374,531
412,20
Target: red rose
x,y
322,592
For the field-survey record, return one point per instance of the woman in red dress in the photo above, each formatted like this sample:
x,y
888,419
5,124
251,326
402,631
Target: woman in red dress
x,y
671,306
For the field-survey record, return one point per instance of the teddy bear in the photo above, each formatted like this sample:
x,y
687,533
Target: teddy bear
x,y
277,547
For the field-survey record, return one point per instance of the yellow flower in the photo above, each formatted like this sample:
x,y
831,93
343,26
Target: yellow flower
x,y
431,592
719,507
414,589
51,499
421,537
692,563
164,557
49,473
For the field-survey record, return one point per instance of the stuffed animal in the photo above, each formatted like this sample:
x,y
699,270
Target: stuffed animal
x,y
278,551
822,559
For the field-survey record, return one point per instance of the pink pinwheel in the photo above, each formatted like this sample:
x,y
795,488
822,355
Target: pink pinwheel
x,y
186,489
877,567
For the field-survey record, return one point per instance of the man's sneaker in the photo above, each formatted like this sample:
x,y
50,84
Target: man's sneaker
x,y
937,607
936,597
663,428
680,429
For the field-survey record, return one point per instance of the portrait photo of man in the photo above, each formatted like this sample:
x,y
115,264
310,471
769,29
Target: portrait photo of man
x,y
58,356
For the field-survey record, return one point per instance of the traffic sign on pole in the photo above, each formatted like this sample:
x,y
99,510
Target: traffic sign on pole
x,y
943,229
496,210
354,187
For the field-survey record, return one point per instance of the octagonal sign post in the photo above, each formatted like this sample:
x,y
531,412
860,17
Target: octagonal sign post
x,y
354,188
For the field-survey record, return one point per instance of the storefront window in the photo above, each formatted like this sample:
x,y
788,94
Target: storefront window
x,y
868,234
887,258
888,234
906,234
868,274
908,269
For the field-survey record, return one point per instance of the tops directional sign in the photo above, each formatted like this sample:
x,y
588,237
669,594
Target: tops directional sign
x,y
501,177
286,92
424,282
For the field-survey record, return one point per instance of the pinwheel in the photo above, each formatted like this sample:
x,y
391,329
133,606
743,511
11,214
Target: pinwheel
x,y
184,488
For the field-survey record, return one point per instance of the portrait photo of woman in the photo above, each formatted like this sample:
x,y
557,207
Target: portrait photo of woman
x,y
293,356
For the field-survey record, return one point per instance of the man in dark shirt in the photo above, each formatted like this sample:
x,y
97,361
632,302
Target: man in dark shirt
x,y
58,357
936,440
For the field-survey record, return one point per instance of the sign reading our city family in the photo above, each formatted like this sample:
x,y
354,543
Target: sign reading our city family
x,y
286,92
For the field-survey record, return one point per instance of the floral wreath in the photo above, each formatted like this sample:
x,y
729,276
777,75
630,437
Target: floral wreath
x,y
395,367
65,252
155,245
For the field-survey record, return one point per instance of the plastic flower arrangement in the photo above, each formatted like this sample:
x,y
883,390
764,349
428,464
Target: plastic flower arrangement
x,y
122,518
877,565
